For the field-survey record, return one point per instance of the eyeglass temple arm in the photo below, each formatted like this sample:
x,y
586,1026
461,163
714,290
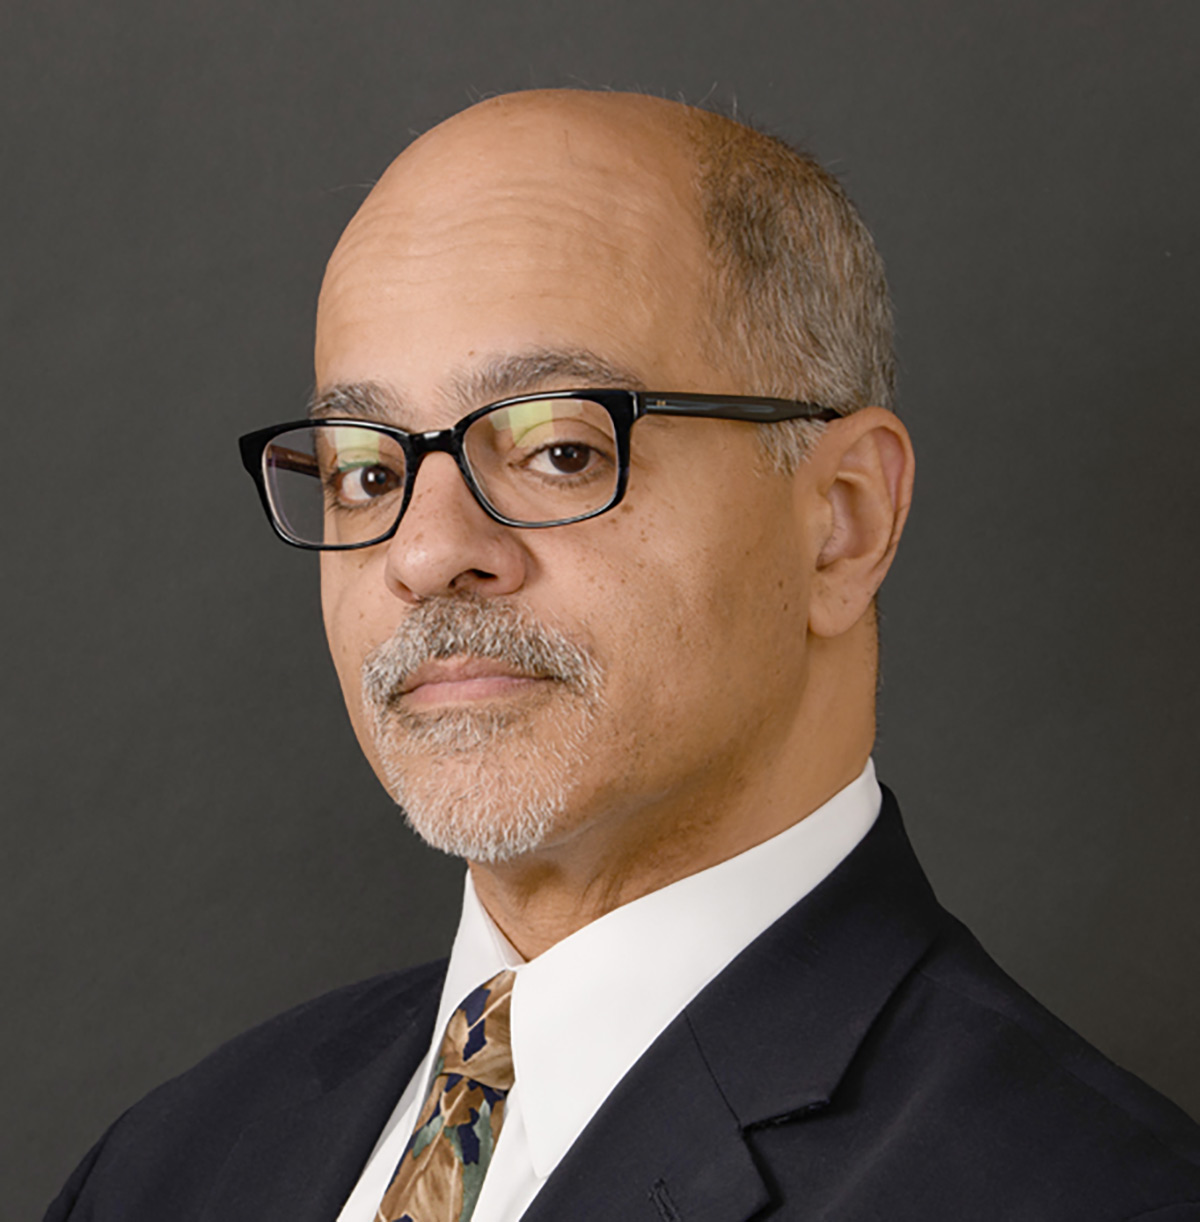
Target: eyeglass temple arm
x,y
733,407
293,460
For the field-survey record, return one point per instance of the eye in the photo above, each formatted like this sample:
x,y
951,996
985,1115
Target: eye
x,y
563,458
360,485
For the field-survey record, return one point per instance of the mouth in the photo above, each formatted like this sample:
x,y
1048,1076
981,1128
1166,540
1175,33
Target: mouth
x,y
461,680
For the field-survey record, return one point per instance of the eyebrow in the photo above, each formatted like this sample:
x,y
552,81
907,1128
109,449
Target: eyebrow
x,y
529,371
361,400
497,378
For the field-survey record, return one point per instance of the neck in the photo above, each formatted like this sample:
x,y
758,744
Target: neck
x,y
617,856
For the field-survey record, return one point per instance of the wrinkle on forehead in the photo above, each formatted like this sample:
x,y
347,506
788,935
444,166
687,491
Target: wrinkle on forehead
x,y
416,244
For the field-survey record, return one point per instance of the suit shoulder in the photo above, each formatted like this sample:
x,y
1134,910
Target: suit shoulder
x,y
158,1159
311,1021
967,1098
1034,1072
273,1052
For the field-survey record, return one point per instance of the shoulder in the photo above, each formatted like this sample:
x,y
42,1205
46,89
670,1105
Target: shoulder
x,y
967,1098
275,1059
183,1130
981,1008
1020,1094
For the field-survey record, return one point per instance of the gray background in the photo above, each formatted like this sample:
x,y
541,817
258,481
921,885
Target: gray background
x,y
191,841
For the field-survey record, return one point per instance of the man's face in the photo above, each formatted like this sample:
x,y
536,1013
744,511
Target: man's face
x,y
603,682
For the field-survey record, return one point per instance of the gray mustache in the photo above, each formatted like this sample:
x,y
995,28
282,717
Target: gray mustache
x,y
469,626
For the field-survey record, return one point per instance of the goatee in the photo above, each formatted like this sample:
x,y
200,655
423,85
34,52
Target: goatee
x,y
475,781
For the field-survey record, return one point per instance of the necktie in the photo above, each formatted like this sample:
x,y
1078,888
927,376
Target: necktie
x,y
441,1170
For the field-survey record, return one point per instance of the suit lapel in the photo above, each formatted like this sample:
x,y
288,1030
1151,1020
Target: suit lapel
x,y
766,1042
780,1026
665,1146
301,1162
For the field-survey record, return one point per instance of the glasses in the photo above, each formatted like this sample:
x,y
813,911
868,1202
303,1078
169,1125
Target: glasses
x,y
532,461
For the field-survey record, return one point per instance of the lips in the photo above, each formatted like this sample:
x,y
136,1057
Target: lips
x,y
449,679
459,650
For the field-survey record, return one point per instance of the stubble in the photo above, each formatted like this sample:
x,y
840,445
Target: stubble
x,y
486,782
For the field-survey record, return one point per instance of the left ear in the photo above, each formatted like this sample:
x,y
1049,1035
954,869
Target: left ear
x,y
863,468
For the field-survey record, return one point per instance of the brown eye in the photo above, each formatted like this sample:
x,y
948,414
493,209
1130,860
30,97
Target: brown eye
x,y
569,459
360,485
563,458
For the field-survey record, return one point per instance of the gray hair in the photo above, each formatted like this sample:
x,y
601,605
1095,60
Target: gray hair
x,y
800,302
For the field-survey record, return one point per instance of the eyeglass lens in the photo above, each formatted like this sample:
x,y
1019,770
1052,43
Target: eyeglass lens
x,y
536,463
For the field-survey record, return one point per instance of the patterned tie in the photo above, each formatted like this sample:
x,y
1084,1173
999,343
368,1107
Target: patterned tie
x,y
441,1170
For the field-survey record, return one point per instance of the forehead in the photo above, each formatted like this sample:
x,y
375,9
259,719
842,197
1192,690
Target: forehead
x,y
515,230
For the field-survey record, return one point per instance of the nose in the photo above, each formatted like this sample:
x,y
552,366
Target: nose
x,y
446,544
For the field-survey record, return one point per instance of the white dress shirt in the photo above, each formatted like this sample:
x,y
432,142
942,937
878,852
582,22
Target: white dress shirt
x,y
585,1010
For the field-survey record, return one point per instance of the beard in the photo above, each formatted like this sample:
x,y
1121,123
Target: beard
x,y
486,783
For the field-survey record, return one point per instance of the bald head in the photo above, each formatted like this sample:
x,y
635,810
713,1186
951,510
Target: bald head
x,y
589,198
609,131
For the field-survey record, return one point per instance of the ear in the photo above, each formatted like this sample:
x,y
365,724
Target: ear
x,y
863,468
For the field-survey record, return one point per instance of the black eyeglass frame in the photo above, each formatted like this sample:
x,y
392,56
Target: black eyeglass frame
x,y
625,407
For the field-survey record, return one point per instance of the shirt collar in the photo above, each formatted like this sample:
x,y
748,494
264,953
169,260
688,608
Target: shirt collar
x,y
585,1010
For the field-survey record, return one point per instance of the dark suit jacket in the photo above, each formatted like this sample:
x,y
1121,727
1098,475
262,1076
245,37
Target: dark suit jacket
x,y
862,1059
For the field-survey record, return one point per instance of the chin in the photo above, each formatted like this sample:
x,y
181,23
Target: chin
x,y
482,784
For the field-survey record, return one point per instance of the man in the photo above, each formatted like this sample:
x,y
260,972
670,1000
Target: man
x,y
605,481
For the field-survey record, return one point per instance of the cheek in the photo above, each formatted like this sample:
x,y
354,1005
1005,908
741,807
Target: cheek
x,y
687,606
733,613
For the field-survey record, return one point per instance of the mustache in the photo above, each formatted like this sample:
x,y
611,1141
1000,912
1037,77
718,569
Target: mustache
x,y
470,626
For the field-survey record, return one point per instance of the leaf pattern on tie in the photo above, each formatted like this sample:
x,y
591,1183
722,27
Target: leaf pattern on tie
x,y
440,1174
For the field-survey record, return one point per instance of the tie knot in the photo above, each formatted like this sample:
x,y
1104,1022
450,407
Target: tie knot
x,y
478,1043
